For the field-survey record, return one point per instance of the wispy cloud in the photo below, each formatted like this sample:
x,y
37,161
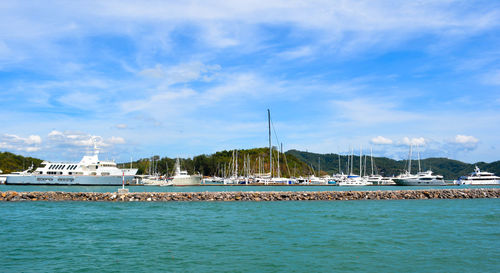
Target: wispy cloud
x,y
333,72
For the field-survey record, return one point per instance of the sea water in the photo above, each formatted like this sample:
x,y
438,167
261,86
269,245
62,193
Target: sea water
x,y
289,236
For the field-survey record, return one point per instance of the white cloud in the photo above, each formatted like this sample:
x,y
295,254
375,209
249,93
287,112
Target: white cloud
x,y
420,141
381,140
463,139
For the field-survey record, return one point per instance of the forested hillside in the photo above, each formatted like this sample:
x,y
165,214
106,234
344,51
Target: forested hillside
x,y
10,162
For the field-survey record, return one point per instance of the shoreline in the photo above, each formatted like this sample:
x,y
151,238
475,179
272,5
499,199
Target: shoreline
x,y
13,196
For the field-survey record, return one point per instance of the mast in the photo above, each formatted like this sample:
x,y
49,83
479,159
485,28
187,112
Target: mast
x,y
270,147
409,159
371,157
364,165
360,161
319,166
418,153
278,163
352,160
339,161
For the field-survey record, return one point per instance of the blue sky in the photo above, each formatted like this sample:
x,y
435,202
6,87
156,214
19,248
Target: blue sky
x,y
181,78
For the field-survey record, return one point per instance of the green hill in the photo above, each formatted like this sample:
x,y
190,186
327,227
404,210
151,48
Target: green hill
x,y
449,168
10,162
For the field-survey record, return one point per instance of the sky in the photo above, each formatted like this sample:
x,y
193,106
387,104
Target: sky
x,y
182,78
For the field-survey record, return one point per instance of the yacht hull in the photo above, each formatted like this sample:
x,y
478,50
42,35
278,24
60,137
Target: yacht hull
x,y
480,182
417,182
186,181
68,180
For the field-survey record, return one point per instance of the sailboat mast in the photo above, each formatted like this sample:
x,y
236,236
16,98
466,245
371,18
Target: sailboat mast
x,y
270,147
418,153
339,161
319,166
360,161
409,159
371,158
278,164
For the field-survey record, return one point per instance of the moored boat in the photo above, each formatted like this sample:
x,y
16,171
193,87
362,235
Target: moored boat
x,y
479,177
182,178
89,171
420,179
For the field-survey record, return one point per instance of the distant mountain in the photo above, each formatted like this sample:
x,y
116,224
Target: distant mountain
x,y
10,162
449,168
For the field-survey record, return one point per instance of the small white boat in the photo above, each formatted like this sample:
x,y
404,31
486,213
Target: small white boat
x,y
182,178
355,180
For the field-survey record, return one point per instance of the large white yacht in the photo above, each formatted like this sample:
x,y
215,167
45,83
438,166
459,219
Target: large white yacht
x,y
420,179
182,178
479,177
89,171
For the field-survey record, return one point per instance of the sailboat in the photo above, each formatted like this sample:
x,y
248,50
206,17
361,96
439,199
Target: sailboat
x,y
355,180
375,178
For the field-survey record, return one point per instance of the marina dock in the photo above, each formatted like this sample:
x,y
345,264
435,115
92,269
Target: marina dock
x,y
252,196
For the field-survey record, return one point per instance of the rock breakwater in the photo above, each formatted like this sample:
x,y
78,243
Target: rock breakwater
x,y
252,196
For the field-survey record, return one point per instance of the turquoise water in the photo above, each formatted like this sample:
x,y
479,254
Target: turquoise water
x,y
25,188
392,235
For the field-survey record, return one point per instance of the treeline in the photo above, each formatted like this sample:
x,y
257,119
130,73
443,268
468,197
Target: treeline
x,y
449,168
10,162
221,163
